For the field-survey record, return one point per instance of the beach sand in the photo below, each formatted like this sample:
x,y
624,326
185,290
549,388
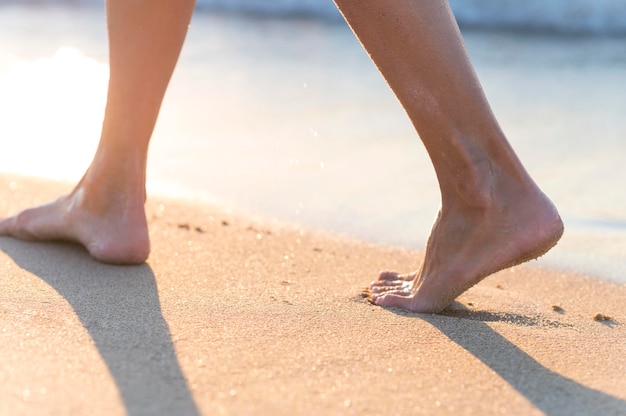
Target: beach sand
x,y
238,315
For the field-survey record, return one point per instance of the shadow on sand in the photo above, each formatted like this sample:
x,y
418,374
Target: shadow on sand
x,y
120,308
548,391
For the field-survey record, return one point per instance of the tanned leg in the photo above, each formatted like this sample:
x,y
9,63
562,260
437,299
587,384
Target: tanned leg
x,y
105,212
492,214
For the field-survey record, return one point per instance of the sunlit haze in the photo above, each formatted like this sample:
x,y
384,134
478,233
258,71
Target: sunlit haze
x,y
48,103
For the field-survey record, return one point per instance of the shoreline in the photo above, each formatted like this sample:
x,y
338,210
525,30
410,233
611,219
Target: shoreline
x,y
298,162
240,315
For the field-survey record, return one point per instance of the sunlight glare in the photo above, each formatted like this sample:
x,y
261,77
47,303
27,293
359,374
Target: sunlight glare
x,y
51,113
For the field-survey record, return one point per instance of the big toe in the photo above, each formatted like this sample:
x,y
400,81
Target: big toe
x,y
407,302
16,227
394,300
5,225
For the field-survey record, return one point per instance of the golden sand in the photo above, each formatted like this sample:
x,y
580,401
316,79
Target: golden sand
x,y
234,315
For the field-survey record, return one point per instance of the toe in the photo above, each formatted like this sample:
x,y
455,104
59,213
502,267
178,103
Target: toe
x,y
21,226
392,291
394,300
9,227
401,288
387,283
387,275
408,302
5,226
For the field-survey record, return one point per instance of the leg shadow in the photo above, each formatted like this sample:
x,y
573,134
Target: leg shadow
x,y
119,307
547,390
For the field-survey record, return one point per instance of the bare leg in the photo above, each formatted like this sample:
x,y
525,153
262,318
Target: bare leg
x,y
105,212
492,215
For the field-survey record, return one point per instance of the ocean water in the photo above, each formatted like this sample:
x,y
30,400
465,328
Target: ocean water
x,y
563,16
281,114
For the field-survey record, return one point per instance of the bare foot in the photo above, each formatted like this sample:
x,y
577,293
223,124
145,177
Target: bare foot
x,y
465,248
110,225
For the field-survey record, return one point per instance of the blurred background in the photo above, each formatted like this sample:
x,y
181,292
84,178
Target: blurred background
x,y
275,110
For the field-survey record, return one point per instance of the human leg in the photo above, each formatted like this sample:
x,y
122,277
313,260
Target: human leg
x,y
492,214
105,212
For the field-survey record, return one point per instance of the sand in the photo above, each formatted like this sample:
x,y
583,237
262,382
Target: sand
x,y
236,315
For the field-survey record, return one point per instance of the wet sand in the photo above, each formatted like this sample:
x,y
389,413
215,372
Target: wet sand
x,y
239,315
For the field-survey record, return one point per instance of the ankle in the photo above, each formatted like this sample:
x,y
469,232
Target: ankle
x,y
106,195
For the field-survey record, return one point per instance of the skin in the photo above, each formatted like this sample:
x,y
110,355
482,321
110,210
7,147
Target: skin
x,y
105,212
492,215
